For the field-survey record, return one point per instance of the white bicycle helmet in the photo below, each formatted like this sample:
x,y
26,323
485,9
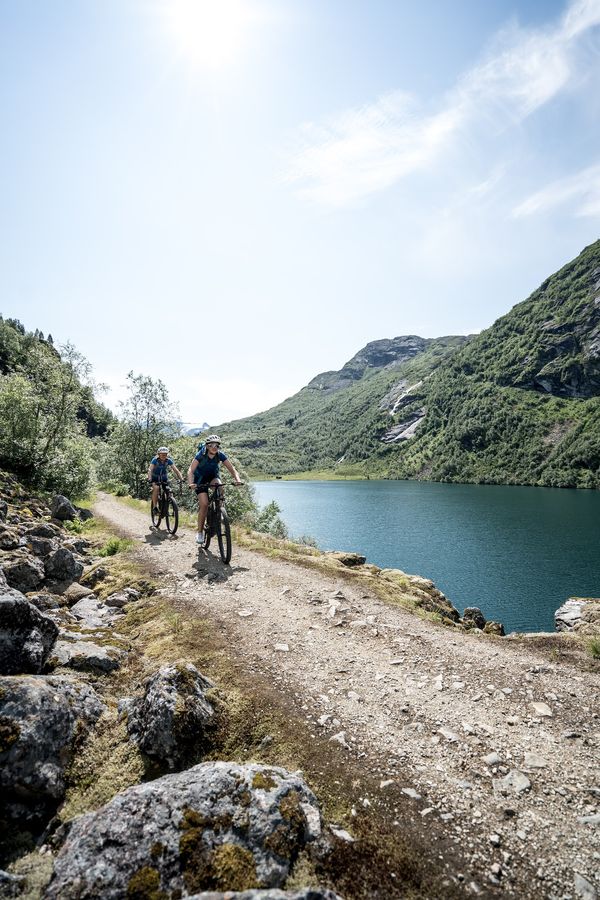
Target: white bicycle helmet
x,y
213,439
163,450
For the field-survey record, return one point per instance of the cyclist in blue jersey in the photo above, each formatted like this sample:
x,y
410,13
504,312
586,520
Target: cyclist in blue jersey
x,y
158,472
204,471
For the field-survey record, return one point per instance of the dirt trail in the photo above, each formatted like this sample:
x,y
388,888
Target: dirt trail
x,y
445,721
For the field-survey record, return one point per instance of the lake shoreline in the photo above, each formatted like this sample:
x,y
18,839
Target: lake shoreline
x,y
518,555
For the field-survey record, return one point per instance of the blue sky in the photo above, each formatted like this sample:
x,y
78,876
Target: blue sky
x,y
235,196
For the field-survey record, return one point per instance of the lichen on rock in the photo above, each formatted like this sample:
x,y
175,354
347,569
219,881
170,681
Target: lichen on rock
x,y
193,830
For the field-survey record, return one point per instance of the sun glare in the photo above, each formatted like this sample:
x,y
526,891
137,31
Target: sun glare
x,y
209,33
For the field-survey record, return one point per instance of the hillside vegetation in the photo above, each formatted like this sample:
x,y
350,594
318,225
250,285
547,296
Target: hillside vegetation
x,y
517,404
49,418
337,420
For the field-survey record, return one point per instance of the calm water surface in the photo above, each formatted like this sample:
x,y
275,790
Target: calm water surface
x,y
516,552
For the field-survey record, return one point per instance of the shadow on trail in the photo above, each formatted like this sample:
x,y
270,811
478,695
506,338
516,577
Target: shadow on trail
x,y
155,536
210,568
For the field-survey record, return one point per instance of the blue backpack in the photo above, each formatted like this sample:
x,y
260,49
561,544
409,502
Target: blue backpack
x,y
198,472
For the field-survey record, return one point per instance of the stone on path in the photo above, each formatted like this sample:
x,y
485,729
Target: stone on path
x,y
584,889
515,782
542,709
492,759
534,761
449,735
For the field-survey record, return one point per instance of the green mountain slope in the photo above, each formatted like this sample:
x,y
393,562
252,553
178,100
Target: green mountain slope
x,y
336,420
521,403
517,404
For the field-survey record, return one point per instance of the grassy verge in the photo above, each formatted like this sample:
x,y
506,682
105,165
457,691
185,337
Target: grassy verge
x,y
313,475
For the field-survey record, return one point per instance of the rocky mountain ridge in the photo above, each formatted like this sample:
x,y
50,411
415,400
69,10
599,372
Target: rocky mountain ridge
x,y
375,355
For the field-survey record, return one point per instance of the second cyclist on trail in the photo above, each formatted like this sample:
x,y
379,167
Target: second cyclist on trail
x,y
158,472
204,471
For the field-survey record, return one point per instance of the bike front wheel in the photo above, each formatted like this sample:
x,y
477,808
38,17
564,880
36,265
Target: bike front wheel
x,y
208,530
224,537
172,516
155,512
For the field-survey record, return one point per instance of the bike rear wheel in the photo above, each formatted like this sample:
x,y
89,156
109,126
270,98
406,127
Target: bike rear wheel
x,y
172,515
224,536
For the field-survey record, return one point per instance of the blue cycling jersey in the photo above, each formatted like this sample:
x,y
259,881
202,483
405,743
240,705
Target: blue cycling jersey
x,y
207,468
161,469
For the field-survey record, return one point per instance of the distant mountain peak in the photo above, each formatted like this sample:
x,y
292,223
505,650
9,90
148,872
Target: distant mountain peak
x,y
381,354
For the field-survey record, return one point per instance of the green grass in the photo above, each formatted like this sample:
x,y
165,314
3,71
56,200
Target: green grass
x,y
594,648
115,545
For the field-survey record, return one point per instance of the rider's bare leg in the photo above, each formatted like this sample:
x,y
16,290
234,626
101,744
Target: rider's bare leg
x,y
154,501
203,506
202,509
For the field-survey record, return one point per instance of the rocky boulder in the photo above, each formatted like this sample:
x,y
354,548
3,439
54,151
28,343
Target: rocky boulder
x,y
26,636
122,598
423,593
43,529
473,618
94,613
218,826
77,545
11,885
9,539
62,508
85,656
171,717
62,566
350,560
95,575
39,546
40,719
496,628
23,571
76,592
43,601
579,614
3,510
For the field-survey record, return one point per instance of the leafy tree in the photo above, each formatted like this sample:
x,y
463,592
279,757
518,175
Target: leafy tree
x,y
147,419
41,437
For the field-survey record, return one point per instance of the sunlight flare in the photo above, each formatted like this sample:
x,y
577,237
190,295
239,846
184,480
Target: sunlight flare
x,y
209,33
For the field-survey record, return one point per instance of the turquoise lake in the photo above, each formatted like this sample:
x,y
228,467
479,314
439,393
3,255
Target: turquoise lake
x,y
516,552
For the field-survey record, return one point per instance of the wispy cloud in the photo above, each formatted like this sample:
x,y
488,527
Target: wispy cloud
x,y
582,190
369,149
365,150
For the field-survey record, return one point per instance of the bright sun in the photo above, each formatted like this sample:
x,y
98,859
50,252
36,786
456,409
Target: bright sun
x,y
208,33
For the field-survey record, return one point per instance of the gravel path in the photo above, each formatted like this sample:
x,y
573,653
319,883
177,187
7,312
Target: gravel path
x,y
482,735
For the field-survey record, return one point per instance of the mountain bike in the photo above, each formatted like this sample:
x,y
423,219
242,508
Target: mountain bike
x,y
217,522
166,508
